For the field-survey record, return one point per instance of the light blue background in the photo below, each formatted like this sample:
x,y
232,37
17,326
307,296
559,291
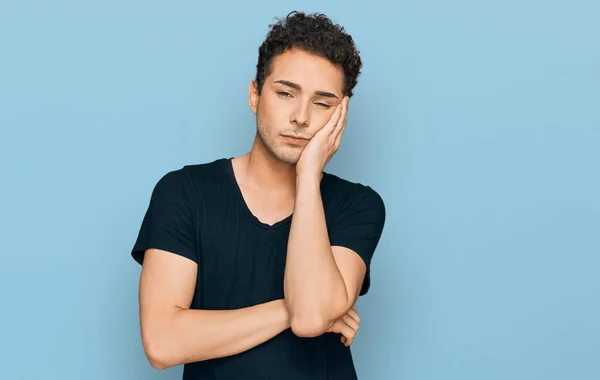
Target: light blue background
x,y
478,123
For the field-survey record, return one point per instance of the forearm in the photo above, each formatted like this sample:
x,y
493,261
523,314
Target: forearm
x,y
196,335
315,291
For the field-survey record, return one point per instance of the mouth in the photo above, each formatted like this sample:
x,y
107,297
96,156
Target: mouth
x,y
295,140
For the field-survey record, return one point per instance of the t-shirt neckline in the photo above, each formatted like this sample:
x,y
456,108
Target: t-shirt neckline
x,y
244,205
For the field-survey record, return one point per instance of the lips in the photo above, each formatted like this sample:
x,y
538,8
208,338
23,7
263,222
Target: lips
x,y
295,140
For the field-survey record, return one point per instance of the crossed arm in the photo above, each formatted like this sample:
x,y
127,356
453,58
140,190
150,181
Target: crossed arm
x,y
173,333
321,284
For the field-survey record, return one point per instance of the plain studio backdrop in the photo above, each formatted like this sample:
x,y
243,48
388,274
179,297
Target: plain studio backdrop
x,y
477,122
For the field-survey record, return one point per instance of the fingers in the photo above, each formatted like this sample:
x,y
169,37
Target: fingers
x,y
350,322
336,135
347,342
348,332
341,121
354,315
341,327
348,325
333,122
352,319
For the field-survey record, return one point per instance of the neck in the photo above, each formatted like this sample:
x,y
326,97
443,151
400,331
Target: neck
x,y
261,169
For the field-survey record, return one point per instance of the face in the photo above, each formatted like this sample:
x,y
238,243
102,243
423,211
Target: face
x,y
297,100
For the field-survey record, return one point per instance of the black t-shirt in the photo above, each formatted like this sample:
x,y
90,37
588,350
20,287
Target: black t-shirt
x,y
198,212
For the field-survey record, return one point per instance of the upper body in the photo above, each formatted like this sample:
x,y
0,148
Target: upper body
x,y
199,212
252,265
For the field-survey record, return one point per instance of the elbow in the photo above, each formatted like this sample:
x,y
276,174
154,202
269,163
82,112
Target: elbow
x,y
313,323
156,357
157,363
157,353
309,319
308,326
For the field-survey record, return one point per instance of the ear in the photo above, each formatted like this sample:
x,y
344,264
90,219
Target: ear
x,y
253,96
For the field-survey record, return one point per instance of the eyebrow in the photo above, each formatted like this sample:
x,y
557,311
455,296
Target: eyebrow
x,y
299,88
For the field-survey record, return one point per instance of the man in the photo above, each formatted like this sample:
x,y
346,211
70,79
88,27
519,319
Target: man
x,y
252,265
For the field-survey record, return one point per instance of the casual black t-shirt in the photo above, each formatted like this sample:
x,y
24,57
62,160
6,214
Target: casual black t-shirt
x,y
198,212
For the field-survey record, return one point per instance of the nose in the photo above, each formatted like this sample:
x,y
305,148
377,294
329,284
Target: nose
x,y
301,115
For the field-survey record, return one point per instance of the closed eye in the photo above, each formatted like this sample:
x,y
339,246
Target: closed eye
x,y
287,95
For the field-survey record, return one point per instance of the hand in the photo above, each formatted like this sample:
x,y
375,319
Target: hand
x,y
324,143
348,326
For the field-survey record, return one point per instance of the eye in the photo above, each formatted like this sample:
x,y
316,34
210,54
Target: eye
x,y
323,105
284,94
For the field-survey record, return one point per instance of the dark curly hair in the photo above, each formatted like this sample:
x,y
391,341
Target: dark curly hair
x,y
315,34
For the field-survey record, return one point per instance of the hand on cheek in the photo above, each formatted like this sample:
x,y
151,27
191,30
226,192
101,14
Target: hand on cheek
x,y
324,143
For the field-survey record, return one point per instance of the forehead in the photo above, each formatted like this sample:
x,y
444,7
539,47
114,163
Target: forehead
x,y
312,72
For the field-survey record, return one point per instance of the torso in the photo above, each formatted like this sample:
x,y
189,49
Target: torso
x,y
242,252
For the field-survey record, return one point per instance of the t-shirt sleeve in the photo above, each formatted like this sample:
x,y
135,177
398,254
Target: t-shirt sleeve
x,y
359,228
168,223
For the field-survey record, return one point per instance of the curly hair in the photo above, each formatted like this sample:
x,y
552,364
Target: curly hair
x,y
313,33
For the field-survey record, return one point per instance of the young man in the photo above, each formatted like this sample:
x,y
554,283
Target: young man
x,y
252,265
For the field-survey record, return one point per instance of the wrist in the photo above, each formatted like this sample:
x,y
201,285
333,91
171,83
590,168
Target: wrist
x,y
308,179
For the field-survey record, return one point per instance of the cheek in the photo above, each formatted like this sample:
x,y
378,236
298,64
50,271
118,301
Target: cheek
x,y
274,112
321,118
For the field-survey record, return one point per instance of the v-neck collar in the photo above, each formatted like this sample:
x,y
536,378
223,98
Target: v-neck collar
x,y
244,205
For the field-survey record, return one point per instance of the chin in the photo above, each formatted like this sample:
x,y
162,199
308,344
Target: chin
x,y
290,158
283,153
286,155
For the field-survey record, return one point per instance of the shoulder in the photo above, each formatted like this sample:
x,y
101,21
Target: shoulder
x,y
215,169
190,181
347,197
192,174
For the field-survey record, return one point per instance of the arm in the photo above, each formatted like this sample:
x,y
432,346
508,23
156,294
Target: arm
x,y
324,278
321,282
173,334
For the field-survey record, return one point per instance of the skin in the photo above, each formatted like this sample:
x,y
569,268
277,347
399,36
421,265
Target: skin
x,y
278,177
